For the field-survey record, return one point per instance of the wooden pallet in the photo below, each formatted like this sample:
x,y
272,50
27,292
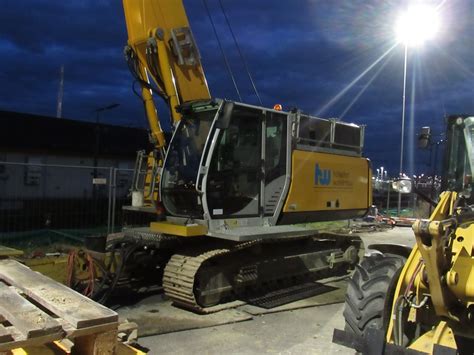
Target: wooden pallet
x,y
6,252
36,310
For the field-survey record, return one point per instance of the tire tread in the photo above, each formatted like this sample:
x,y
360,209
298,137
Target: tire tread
x,y
367,292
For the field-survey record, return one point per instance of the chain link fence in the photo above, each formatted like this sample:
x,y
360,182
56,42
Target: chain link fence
x,y
46,203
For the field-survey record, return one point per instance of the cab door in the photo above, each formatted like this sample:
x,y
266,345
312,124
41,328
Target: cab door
x,y
235,174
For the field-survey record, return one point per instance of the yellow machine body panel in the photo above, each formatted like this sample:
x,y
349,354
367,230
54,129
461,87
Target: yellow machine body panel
x,y
322,182
440,335
193,230
461,277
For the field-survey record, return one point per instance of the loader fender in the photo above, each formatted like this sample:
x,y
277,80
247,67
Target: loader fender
x,y
397,249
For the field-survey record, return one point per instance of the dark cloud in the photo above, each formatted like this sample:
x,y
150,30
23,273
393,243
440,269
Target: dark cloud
x,y
301,54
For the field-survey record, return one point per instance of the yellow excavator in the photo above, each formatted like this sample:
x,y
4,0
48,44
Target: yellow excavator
x,y
418,302
234,179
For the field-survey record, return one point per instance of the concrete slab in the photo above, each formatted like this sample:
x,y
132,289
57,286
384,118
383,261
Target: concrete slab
x,y
154,315
302,331
397,235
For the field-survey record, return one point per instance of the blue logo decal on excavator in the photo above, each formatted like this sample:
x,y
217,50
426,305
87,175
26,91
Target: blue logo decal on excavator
x,y
322,176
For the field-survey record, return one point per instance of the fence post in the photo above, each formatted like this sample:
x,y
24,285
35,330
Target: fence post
x,y
388,198
114,197
109,209
415,200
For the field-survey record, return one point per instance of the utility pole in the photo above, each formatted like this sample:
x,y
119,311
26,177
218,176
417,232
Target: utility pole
x,y
59,107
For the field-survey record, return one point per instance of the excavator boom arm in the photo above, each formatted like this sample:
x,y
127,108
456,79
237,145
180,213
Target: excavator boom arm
x,y
161,50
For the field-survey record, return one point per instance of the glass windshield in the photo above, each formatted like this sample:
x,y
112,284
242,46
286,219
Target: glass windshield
x,y
178,190
469,137
460,156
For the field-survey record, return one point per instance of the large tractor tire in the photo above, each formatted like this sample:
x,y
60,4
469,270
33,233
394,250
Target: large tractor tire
x,y
370,291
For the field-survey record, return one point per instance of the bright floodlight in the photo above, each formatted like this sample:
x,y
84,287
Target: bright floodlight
x,y
418,24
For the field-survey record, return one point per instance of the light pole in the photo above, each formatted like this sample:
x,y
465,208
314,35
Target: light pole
x,y
402,135
416,25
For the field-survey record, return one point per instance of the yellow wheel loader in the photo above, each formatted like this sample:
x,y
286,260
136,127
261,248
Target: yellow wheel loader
x,y
422,301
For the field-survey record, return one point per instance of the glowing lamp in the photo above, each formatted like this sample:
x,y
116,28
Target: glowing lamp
x,y
417,25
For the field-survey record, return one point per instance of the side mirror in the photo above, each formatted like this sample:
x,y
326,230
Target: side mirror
x,y
403,185
225,115
424,138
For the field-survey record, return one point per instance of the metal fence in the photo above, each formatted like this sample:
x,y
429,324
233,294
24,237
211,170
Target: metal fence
x,y
386,199
46,201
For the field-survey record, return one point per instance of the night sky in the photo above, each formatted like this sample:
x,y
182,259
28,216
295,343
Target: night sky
x,y
302,53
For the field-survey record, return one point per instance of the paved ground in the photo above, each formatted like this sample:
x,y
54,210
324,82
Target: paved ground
x,y
399,235
302,331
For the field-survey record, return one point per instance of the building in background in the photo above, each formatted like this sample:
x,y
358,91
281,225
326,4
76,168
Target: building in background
x,y
31,139
59,173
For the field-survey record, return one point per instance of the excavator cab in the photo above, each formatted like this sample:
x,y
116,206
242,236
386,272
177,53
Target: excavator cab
x,y
234,165
459,156
218,161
